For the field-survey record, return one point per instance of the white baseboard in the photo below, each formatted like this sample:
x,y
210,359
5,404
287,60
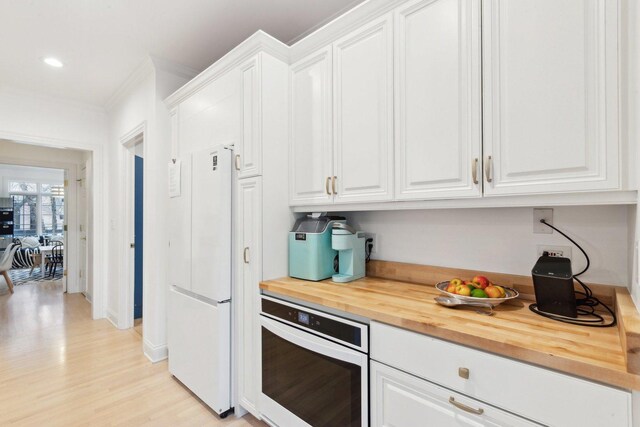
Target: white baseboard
x,y
112,317
87,297
155,353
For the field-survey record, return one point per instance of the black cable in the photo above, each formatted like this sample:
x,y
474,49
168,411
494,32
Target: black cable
x,y
572,241
587,305
369,248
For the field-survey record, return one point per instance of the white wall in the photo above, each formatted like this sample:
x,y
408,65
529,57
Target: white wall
x,y
14,172
631,117
28,114
501,239
30,118
141,101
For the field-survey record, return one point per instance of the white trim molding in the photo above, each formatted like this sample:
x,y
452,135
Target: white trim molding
x,y
258,42
155,353
112,317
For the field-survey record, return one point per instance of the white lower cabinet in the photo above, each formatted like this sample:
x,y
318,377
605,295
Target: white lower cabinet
x,y
399,399
530,392
249,273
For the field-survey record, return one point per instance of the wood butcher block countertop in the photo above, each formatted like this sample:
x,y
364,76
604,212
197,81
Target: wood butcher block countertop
x,y
607,355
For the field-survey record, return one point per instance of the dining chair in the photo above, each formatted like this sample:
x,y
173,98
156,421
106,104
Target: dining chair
x,y
5,263
56,257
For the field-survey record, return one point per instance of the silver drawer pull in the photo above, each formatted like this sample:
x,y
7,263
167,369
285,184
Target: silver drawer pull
x,y
237,162
326,185
465,408
245,255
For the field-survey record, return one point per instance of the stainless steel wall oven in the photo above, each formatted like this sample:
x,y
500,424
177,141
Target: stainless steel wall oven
x,y
315,367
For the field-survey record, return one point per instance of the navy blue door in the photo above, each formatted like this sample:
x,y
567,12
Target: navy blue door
x,y
137,294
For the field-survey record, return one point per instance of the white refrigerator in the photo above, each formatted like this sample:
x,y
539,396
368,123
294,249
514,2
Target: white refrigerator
x,y
199,302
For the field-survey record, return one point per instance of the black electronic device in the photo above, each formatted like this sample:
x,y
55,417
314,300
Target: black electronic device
x,y
553,286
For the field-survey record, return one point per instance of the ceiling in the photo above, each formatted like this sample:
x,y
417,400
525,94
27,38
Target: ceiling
x,y
101,42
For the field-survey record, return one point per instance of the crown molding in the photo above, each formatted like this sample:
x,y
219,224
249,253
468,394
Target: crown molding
x,y
258,42
142,71
17,92
342,25
174,68
324,22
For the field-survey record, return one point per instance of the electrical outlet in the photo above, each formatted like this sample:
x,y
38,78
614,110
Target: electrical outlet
x,y
556,251
375,241
547,215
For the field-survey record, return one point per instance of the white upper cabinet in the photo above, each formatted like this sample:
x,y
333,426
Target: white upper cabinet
x,y
550,96
210,116
248,159
310,164
437,103
363,114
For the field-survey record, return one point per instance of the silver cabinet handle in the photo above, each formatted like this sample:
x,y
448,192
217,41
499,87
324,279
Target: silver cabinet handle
x,y
488,169
237,162
333,184
464,407
245,255
326,185
474,170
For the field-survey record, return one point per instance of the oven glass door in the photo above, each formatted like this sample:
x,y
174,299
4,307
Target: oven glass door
x,y
320,382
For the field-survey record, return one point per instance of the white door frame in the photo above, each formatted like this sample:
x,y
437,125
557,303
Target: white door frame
x,y
82,218
99,302
126,291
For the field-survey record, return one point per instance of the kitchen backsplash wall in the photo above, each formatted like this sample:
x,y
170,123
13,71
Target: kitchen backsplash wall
x,y
501,239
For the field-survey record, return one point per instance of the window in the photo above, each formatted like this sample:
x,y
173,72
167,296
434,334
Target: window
x,y
23,187
25,215
38,208
52,214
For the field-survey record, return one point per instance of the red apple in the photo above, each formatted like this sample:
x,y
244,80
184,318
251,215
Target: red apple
x,y
481,281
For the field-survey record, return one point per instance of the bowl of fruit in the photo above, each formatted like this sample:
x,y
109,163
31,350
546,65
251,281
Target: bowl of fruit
x,y
477,289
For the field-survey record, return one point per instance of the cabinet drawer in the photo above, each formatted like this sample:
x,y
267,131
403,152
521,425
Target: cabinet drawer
x,y
399,399
536,393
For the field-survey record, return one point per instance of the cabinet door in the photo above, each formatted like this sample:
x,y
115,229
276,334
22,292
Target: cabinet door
x,y
249,152
363,113
550,96
311,146
249,274
211,116
399,399
438,107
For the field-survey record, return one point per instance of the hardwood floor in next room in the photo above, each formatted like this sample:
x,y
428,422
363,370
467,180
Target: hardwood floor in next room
x,y
58,367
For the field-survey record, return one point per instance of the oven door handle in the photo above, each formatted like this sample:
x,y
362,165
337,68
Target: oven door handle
x,y
316,344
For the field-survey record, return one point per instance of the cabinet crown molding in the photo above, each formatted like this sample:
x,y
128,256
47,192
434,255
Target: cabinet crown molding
x,y
258,42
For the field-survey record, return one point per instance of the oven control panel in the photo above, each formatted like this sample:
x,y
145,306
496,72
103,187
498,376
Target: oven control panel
x,y
324,324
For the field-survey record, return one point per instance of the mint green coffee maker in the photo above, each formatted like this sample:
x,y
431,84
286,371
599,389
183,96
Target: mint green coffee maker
x,y
311,256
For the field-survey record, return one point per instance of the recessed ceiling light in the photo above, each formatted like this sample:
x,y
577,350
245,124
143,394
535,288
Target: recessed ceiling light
x,y
54,62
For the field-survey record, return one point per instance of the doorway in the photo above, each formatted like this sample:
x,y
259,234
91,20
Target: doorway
x,y
132,181
138,240
39,207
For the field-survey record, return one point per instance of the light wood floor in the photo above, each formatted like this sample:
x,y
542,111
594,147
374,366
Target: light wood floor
x,y
60,368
